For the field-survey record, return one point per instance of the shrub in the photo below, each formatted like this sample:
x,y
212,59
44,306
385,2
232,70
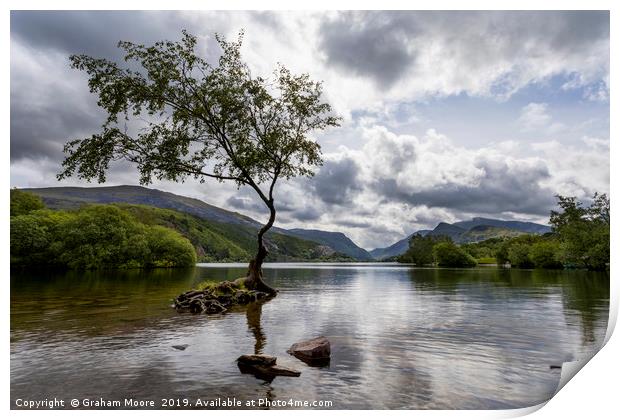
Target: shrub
x,y
545,254
519,255
420,250
447,254
169,249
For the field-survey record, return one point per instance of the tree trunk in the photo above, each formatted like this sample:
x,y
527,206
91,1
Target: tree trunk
x,y
254,279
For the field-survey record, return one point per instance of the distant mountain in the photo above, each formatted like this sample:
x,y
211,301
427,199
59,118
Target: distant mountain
x,y
484,232
395,249
446,229
475,230
527,227
335,240
74,197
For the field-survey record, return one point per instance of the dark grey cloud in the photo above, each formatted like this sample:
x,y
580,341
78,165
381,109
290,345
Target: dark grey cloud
x,y
308,214
243,203
353,224
383,45
50,102
368,44
53,112
337,181
501,189
40,128
268,19
94,32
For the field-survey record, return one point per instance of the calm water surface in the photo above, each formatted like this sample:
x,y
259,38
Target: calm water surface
x,y
401,337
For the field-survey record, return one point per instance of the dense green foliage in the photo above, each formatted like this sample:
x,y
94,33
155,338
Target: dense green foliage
x,y
546,254
420,250
583,231
23,202
97,236
448,254
439,250
519,255
212,241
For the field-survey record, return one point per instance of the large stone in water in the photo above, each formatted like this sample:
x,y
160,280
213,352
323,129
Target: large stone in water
x,y
263,367
257,359
316,351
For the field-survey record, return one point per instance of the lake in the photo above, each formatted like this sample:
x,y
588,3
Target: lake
x,y
401,337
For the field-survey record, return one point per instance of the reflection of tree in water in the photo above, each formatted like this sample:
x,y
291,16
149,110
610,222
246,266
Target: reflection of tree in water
x,y
587,294
583,293
253,314
95,303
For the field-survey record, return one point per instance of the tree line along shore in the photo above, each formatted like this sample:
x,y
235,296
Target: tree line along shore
x,y
579,239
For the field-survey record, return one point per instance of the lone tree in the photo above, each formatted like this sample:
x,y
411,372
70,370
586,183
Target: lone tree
x,y
210,121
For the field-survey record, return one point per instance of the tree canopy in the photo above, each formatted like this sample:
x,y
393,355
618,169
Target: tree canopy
x,y
420,250
208,121
448,254
23,202
584,231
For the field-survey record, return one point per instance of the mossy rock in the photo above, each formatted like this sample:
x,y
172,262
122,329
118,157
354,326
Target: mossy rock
x,y
211,297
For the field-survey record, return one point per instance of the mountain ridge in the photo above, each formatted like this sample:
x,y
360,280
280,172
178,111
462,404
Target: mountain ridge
x,y
332,239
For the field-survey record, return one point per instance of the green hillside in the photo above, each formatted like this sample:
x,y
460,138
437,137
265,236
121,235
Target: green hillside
x,y
224,242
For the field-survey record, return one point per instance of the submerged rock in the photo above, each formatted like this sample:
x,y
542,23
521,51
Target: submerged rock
x,y
180,346
315,352
264,367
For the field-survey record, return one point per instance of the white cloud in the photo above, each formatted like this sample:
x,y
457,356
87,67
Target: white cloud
x,y
534,116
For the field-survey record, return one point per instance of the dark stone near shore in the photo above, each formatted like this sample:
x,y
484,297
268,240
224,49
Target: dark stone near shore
x,y
263,367
257,360
216,299
314,352
180,346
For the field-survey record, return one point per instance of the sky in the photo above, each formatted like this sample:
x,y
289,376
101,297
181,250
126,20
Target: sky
x,y
445,115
